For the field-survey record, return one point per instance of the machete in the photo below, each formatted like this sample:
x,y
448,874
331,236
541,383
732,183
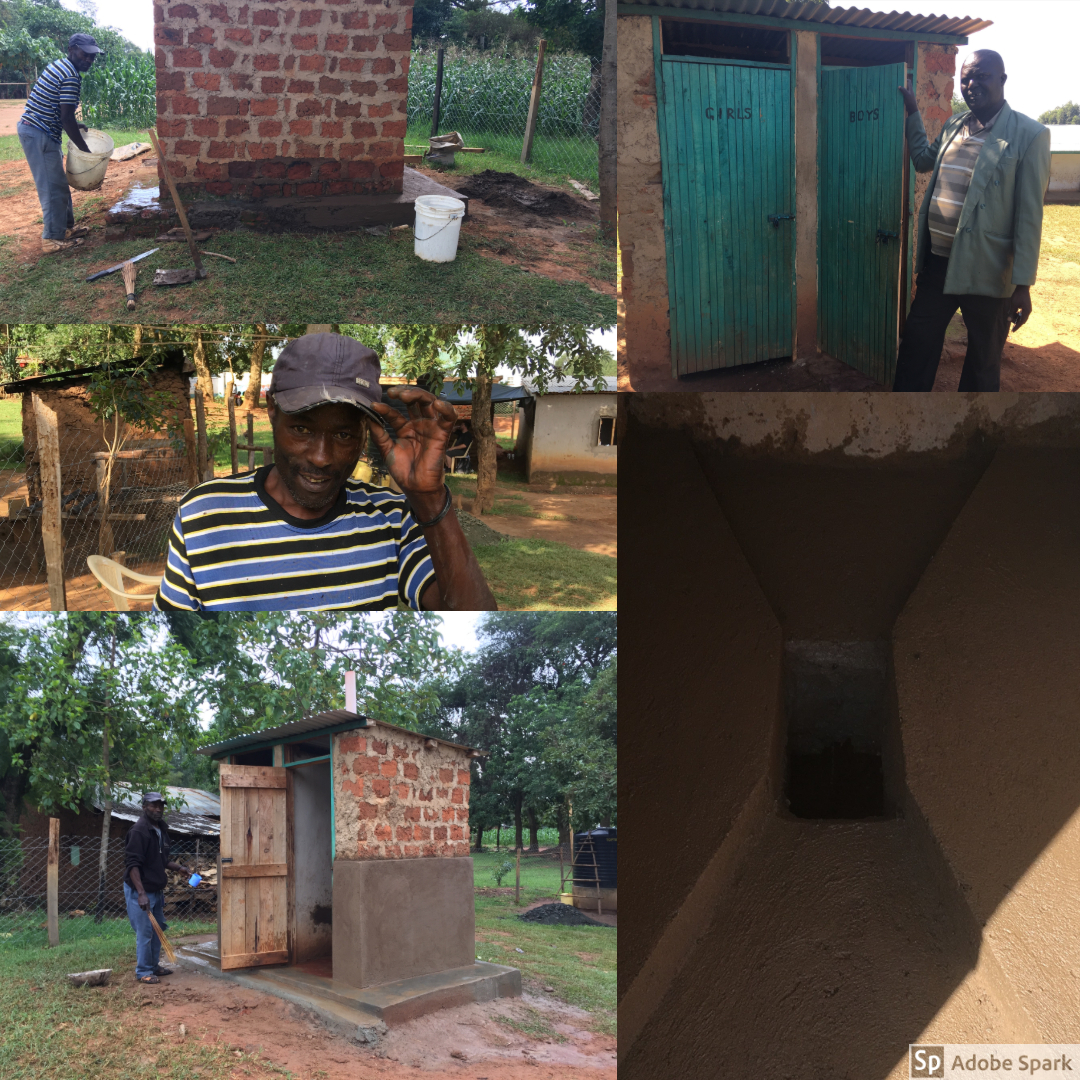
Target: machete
x,y
119,265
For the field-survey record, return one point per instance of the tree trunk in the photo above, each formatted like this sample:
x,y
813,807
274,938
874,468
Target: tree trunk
x,y
608,126
484,438
258,349
534,827
479,837
202,370
106,817
517,822
563,823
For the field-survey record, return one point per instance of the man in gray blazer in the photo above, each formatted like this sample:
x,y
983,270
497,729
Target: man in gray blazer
x,y
980,227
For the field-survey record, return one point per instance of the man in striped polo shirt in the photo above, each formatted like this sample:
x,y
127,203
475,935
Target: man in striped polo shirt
x,y
300,534
50,109
980,227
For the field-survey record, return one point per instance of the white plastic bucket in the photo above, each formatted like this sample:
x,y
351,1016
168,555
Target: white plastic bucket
x,y
438,225
86,171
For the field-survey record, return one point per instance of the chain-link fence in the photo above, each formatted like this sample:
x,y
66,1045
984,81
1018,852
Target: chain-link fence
x,y
485,97
83,910
119,502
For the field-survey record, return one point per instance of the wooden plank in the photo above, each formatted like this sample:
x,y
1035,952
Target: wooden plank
x,y
254,870
206,466
261,959
52,873
252,776
52,535
534,104
191,450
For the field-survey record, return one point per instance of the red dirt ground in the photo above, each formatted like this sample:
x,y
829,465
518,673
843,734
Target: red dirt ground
x,y
454,1044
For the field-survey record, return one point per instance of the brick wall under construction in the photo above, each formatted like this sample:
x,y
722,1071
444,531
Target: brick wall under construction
x,y
304,98
399,796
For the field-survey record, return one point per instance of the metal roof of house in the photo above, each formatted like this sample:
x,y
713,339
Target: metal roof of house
x,y
1065,138
190,811
566,386
320,724
901,21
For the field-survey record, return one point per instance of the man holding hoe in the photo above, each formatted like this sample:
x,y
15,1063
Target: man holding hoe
x,y
146,858
50,109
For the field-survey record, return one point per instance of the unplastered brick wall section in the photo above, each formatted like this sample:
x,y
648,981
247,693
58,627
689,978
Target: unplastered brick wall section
x,y
304,99
398,798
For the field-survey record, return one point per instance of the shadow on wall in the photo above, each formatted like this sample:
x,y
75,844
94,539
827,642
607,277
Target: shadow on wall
x,y
867,796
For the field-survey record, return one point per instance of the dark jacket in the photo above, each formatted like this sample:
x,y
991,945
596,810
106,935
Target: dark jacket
x,y
142,850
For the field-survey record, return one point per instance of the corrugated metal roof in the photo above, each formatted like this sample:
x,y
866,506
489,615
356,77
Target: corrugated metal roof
x,y
1064,137
310,725
188,810
566,386
903,21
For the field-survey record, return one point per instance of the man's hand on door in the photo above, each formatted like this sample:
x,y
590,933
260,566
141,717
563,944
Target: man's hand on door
x,y
910,105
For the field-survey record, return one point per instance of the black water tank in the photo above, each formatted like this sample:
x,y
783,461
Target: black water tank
x,y
604,844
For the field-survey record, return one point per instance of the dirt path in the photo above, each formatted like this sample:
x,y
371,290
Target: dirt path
x,y
10,111
457,1044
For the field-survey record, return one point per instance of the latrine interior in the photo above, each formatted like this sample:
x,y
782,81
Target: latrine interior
x,y
312,855
719,41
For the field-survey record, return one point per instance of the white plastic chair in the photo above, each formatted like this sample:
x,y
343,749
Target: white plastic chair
x,y
111,575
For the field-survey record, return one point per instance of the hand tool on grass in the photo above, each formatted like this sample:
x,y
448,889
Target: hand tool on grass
x,y
170,952
129,284
121,265
177,277
217,255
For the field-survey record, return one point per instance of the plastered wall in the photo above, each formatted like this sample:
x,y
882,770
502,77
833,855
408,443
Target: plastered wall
x,y
564,436
312,861
934,93
397,798
300,98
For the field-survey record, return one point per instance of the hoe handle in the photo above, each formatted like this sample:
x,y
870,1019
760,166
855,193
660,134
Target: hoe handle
x,y
178,204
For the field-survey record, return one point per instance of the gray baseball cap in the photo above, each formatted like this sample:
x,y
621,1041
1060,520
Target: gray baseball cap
x,y
153,796
318,369
84,42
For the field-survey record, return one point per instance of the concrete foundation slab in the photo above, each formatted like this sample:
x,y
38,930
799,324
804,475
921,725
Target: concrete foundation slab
x,y
352,1011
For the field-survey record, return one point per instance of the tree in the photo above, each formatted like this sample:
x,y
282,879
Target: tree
x,y
470,355
1069,113
959,105
258,350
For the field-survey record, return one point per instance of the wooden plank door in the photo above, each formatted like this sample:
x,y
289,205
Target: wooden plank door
x,y
726,146
252,895
860,199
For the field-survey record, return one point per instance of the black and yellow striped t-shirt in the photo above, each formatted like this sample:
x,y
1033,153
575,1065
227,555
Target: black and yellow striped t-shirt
x,y
232,547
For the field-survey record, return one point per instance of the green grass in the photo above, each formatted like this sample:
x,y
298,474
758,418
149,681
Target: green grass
x,y
1061,232
341,277
541,575
578,961
11,436
11,149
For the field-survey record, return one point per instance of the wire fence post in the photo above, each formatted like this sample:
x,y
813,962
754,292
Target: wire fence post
x,y
52,536
206,469
232,428
534,105
438,92
52,875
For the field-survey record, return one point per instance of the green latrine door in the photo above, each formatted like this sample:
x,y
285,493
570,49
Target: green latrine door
x,y
860,214
726,145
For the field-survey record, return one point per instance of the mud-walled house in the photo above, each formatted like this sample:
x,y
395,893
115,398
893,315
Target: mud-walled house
x,y
345,851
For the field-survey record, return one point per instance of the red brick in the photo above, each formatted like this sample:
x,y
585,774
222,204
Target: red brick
x,y
304,41
210,170
446,776
442,793
389,768
365,44
456,832
405,60
171,129
222,150
344,108
380,786
264,62
331,130
270,128
354,64
219,12
412,813
301,170
408,19
429,813
361,764
222,58
161,59
271,84
397,42
439,832
241,82
159,13
425,796
363,129
336,43
448,813
187,147
301,86
274,170
344,187
245,170
384,65
171,80
421,832
350,743
310,18
305,127
235,126
458,796
187,58
219,187
265,17
240,34
262,150
411,771
462,774
182,104
221,106
404,832
264,107
366,810
205,81
182,11
330,86
203,36
385,109
312,63
168,35
399,85
207,128
265,35
392,168
386,21
367,88
379,746
937,62
383,831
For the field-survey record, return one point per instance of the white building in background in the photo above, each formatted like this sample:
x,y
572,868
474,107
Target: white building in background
x,y
1064,157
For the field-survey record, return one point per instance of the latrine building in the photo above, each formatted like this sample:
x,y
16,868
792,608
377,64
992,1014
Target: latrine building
x,y
766,200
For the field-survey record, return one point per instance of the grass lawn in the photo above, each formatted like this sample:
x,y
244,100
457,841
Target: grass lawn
x,y
11,436
290,277
541,575
578,961
1061,232
11,149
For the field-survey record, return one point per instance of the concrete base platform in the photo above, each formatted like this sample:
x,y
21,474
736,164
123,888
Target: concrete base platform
x,y
353,1011
333,212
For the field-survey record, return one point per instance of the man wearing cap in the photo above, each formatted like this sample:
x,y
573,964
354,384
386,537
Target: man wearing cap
x,y
300,533
50,108
146,858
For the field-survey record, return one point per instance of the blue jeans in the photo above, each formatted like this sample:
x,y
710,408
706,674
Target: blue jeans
x,y
147,946
46,160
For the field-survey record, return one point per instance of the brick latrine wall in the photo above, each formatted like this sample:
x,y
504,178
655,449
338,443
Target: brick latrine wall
x,y
397,798
934,94
303,98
